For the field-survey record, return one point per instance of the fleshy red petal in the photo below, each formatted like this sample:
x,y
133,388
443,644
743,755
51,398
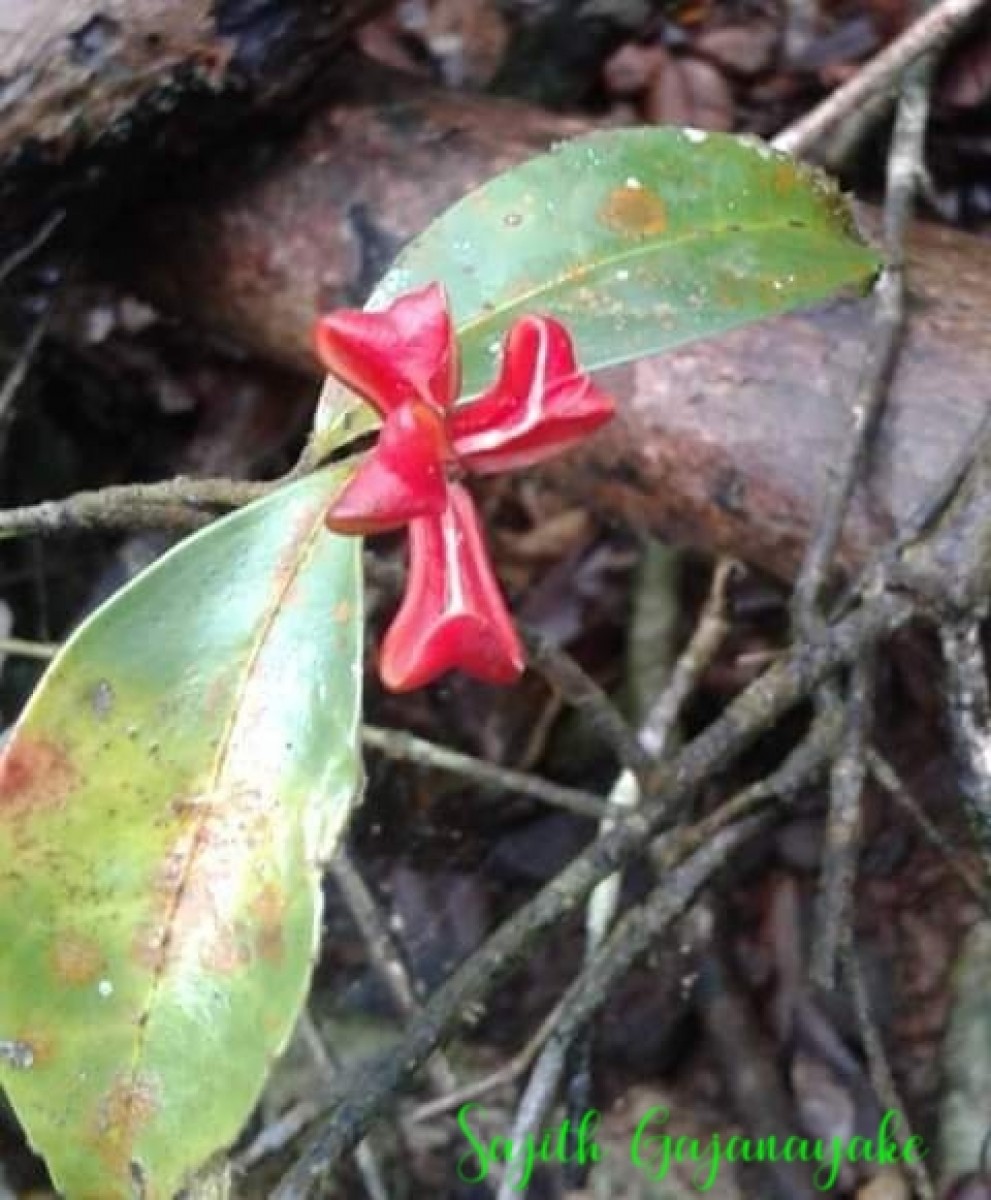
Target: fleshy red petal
x,y
453,614
406,351
401,479
540,404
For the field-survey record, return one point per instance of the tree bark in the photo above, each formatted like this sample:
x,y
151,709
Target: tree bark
x,y
89,87
726,445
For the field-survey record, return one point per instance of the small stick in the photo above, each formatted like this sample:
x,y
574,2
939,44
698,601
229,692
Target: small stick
x,y
179,503
23,648
35,242
839,865
18,373
889,779
368,1165
581,691
880,1072
904,167
655,735
506,1074
969,704
404,747
834,902
929,33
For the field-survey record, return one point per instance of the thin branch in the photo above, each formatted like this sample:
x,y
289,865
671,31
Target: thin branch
x,y
18,373
884,566
969,704
23,648
23,252
834,902
929,33
328,1065
880,1072
387,958
405,747
581,691
884,340
179,503
841,852
655,738
889,779
277,1135
508,1073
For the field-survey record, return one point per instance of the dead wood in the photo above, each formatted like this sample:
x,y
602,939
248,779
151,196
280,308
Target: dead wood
x,y
726,445
88,86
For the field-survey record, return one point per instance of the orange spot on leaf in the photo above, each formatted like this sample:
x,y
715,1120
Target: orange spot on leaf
x,y
269,909
634,210
76,959
785,178
34,774
120,1117
225,953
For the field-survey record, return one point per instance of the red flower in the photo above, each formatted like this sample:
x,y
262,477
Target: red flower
x,y
404,362
453,613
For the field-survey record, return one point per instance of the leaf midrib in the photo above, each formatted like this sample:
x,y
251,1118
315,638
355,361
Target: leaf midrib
x,y
217,771
581,272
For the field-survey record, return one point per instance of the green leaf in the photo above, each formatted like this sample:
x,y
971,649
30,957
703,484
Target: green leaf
x,y
170,792
639,239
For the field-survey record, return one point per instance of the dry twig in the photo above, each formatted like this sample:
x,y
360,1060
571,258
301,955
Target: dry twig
x,y
929,33
404,747
841,852
880,1072
969,704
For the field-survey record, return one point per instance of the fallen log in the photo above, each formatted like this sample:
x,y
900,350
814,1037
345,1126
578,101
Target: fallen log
x,y
726,445
90,87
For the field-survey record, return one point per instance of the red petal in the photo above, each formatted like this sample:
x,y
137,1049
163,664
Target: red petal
x,y
406,351
403,477
453,614
539,406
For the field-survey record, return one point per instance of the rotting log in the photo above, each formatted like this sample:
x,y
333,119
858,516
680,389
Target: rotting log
x,y
93,88
726,445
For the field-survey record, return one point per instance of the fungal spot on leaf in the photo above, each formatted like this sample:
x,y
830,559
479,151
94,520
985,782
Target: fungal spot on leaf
x,y
194,911
102,698
785,178
634,210
120,1117
269,910
225,954
76,959
34,773
17,1054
